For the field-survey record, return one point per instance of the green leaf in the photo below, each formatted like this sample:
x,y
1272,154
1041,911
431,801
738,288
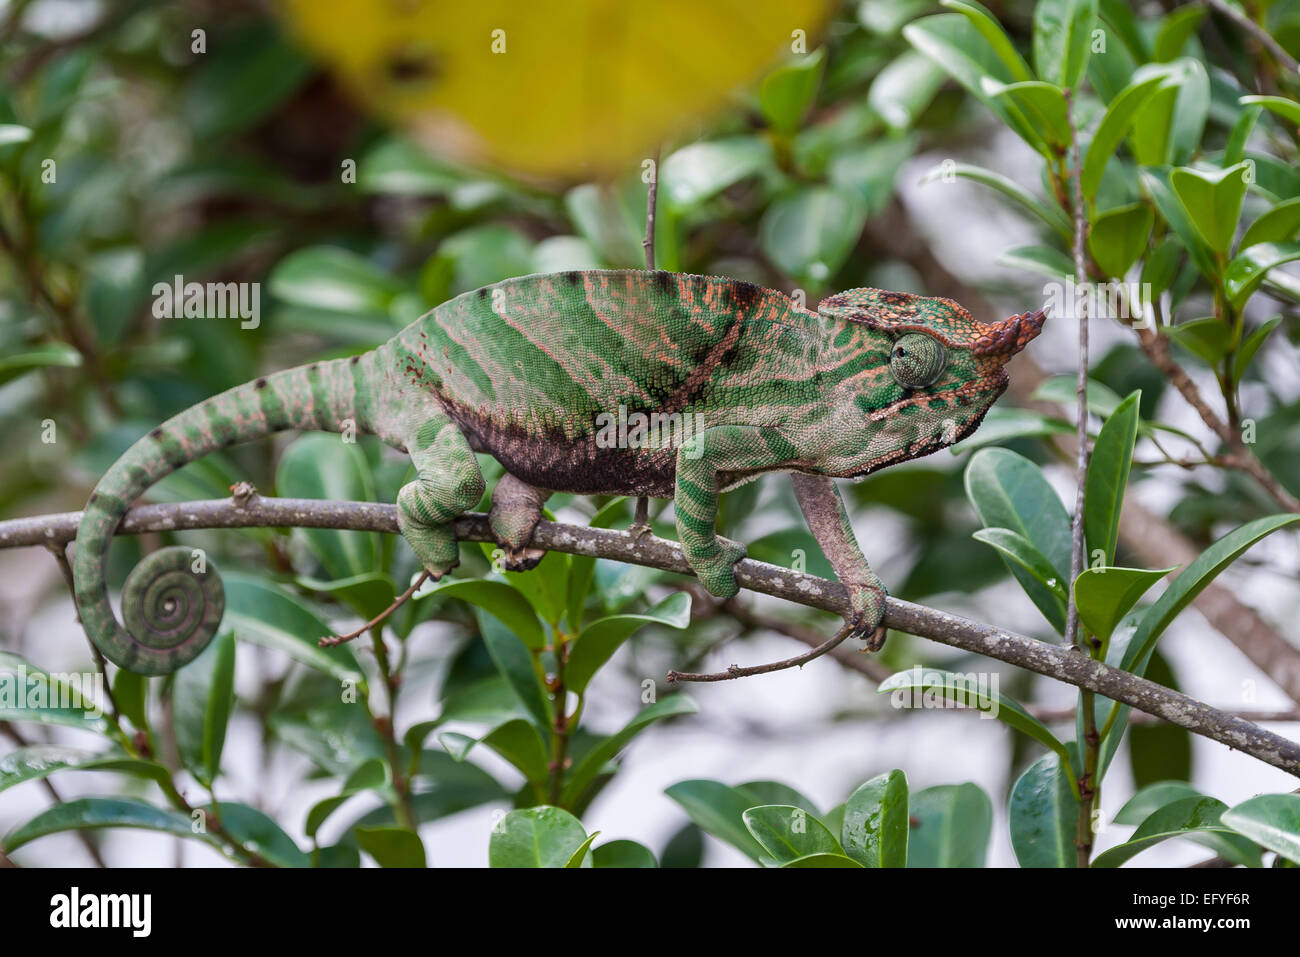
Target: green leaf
x,y
950,826
1151,798
788,833
1191,581
131,694
993,34
1044,260
1052,216
1022,552
203,693
1208,337
719,810
810,233
1107,478
1156,183
1063,39
516,740
902,90
1159,751
1119,236
1289,110
1106,594
1002,424
397,167
502,601
46,356
515,663
967,691
11,133
1191,817
546,587
579,858
1212,200
89,813
698,172
623,854
1177,28
256,831
786,93
39,761
326,467
241,82
1114,126
1249,267
1272,820
371,775
1168,127
1279,225
822,860
875,830
333,279
535,837
1042,813
29,693
592,763
1042,104
774,792
392,846
597,642
1009,491
263,614
1250,345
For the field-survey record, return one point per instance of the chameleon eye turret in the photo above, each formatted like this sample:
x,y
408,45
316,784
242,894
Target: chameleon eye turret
x,y
917,360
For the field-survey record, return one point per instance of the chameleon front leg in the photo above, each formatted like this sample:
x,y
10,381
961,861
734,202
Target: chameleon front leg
x,y
824,510
448,483
721,449
516,510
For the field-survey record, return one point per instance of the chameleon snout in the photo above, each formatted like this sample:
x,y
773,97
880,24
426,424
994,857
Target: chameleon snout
x,y
1006,338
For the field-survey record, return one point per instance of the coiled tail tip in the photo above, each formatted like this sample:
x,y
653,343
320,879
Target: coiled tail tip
x,y
172,606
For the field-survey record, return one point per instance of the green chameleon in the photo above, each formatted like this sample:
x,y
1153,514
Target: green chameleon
x,y
546,373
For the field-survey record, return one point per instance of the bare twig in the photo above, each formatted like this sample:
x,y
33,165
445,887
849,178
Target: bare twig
x,y
735,671
1081,382
641,518
1061,663
1261,35
398,602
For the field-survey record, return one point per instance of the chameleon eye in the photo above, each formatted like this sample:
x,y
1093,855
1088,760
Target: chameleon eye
x,y
917,360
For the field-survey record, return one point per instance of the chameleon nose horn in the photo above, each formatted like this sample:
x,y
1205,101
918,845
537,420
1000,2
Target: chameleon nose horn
x,y
1010,335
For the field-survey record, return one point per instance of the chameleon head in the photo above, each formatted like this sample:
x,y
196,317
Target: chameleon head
x,y
921,374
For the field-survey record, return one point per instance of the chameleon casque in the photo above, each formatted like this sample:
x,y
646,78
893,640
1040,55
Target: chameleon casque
x,y
525,369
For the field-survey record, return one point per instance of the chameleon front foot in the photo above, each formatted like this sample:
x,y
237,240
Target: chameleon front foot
x,y
866,620
716,570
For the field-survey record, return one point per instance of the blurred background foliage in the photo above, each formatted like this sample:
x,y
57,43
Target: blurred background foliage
x,y
293,147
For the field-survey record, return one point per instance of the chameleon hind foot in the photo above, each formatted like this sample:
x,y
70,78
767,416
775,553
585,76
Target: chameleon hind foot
x,y
716,569
516,510
865,621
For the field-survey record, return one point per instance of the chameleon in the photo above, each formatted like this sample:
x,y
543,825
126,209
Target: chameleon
x,y
535,371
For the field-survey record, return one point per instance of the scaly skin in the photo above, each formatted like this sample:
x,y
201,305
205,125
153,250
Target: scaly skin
x,y
524,370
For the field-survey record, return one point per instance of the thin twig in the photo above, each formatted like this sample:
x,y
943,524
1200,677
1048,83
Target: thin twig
x,y
735,671
1054,661
1261,35
398,602
1081,381
641,517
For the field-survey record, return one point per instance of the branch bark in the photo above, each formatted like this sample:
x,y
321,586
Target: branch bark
x,y
1054,661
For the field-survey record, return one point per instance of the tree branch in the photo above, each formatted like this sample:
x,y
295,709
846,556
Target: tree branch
x,y
1061,663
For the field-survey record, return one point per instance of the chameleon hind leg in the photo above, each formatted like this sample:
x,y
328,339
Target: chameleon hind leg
x,y
824,510
516,510
723,449
448,483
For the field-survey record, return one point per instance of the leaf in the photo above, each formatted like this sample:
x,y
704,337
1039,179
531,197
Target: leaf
x,y
1156,184
1168,127
265,615
623,854
11,133
516,740
983,696
875,830
590,765
822,860
45,356
1107,477
1151,798
324,466
718,810
515,663
788,833
371,775
28,693
203,693
810,233
1043,105
397,167
1279,225
1022,552
1106,594
39,761
1053,216
1044,260
1114,126
259,833
1119,236
131,694
1178,27
392,846
1289,110
993,34
1009,491
333,279
904,88
1250,345
535,837
1272,820
698,172
502,601
1062,39
243,80
1212,200
1187,817
1002,424
579,857
950,826
1042,813
1249,267
1159,751
90,813
786,93
1209,337
597,642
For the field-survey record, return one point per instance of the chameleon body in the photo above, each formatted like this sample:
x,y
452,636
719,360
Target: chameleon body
x,y
534,371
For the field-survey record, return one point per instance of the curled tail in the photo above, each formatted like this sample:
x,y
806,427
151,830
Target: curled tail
x,y
173,599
